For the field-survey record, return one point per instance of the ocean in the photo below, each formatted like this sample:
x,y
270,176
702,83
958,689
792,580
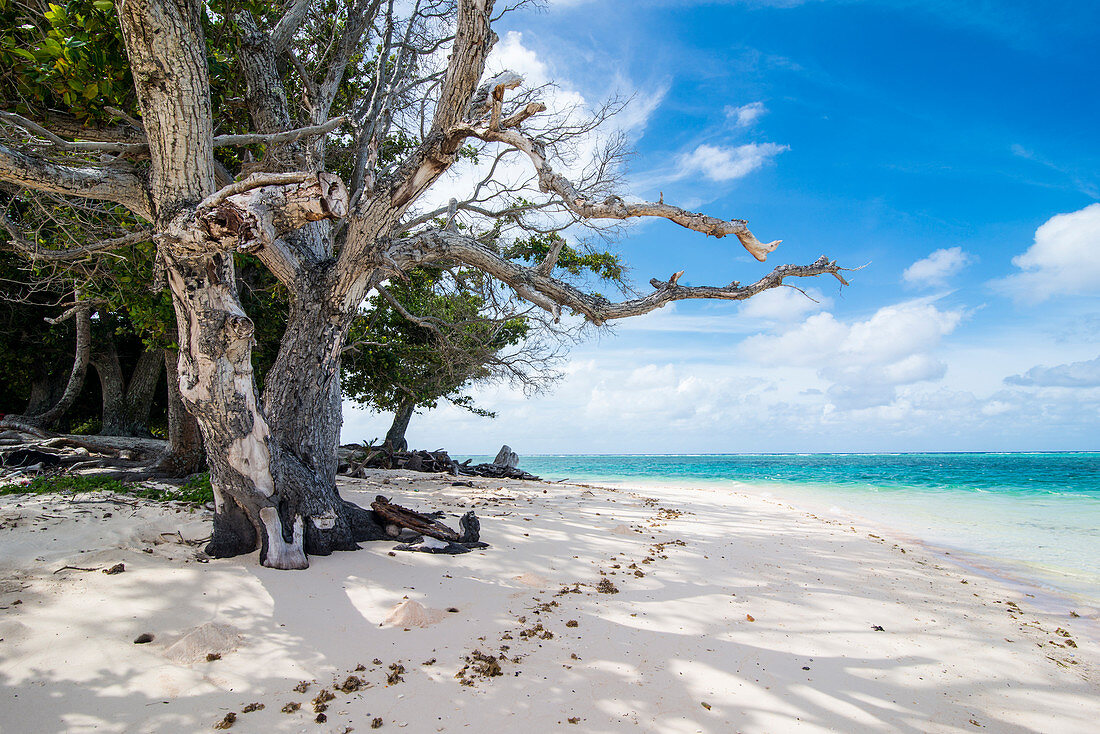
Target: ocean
x,y
1032,518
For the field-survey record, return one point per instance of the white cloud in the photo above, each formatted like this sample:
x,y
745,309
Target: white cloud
x,y
1064,260
865,361
719,163
934,270
511,54
1074,374
784,304
707,397
778,306
746,115
566,106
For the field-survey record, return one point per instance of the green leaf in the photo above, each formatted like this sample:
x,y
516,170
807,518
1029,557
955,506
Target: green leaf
x,y
24,53
104,5
91,91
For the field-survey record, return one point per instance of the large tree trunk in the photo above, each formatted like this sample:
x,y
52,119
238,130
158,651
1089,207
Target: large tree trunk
x,y
302,401
165,44
395,437
304,410
126,406
185,454
142,390
46,390
112,387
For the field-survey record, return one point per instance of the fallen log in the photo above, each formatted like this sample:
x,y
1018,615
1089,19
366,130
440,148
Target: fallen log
x,y
429,536
418,522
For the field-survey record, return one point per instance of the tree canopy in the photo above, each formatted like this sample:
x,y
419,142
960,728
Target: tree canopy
x,y
312,136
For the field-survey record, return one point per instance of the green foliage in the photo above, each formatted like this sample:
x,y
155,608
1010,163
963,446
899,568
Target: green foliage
x,y
401,363
196,491
70,57
72,483
532,250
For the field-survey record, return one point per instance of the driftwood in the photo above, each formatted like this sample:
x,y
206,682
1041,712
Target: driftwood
x,y
417,527
356,458
24,452
419,522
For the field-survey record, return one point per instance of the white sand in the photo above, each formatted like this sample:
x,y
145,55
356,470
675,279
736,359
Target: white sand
x,y
672,651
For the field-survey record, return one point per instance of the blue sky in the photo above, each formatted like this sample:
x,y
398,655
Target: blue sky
x,y
950,146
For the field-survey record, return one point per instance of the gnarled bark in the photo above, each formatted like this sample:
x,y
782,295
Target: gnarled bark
x,y
395,437
126,404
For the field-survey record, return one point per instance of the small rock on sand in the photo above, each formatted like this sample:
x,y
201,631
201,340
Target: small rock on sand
x,y
622,530
411,613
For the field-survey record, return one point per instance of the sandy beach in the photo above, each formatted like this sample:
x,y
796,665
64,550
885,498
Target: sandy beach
x,y
594,609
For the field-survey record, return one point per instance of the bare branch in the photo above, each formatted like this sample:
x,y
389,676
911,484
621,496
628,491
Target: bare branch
x,y
283,32
121,185
546,267
283,138
57,141
428,322
132,149
532,109
79,309
255,181
134,123
360,15
35,252
614,207
473,40
549,292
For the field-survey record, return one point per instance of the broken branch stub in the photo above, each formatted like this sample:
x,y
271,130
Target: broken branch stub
x,y
253,213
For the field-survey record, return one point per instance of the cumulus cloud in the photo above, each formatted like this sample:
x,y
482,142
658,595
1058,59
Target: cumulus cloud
x,y
720,163
865,361
1074,374
1063,260
784,304
746,115
934,270
566,106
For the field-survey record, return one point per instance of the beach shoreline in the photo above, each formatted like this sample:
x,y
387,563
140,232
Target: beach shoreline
x,y
731,612
1029,582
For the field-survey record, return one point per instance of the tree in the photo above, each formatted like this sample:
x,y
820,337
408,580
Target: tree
x,y
435,332
399,357
273,456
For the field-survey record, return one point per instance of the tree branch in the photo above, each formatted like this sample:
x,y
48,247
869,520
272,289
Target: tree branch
x,y
427,323
133,149
473,41
283,32
549,293
290,136
612,207
56,141
254,215
120,185
35,252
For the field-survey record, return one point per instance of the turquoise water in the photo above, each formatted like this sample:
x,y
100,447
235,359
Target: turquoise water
x,y
1033,517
